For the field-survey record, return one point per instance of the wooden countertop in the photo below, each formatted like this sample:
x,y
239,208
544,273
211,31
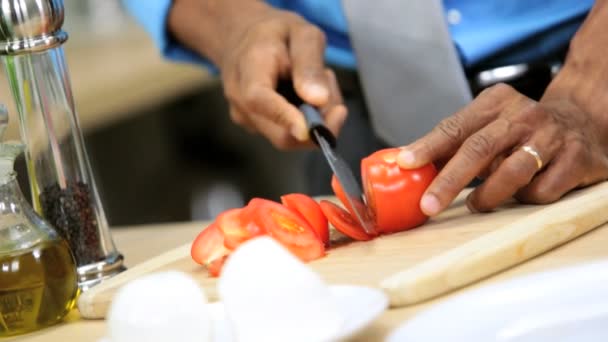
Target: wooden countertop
x,y
113,76
160,238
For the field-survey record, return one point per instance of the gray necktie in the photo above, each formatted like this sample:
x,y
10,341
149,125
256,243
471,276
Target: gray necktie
x,y
409,68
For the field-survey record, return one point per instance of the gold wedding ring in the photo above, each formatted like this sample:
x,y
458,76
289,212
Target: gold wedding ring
x,y
530,150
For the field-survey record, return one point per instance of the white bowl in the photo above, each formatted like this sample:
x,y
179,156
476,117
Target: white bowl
x,y
567,304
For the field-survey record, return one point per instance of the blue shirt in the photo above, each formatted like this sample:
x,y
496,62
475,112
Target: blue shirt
x,y
523,29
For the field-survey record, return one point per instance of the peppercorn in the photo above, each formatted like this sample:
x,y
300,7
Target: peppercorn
x,y
70,211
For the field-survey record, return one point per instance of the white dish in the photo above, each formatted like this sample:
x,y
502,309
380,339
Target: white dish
x,y
359,306
567,304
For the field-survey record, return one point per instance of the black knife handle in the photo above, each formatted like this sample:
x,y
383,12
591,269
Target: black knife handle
x,y
316,124
314,120
286,89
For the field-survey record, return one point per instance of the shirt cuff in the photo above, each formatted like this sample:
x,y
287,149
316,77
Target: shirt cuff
x,y
152,15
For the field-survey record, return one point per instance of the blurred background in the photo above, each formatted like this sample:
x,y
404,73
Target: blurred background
x,y
158,134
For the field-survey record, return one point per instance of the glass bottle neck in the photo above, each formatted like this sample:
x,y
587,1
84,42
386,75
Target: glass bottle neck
x,y
10,195
20,227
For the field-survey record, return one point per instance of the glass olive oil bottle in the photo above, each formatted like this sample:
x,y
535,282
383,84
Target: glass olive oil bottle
x,y
38,279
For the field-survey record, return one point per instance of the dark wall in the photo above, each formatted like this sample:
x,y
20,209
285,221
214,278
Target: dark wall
x,y
185,160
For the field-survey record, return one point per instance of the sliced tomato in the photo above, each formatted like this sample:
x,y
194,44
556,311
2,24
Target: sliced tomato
x,y
249,210
289,229
215,267
339,192
344,221
238,226
310,211
208,246
393,194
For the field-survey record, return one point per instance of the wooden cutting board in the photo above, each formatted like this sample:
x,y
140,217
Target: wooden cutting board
x,y
452,250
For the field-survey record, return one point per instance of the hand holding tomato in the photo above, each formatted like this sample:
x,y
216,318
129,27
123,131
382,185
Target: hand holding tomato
x,y
392,194
533,151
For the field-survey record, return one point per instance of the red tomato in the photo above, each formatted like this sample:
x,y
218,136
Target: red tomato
x,y
289,229
343,221
238,225
310,211
392,193
208,246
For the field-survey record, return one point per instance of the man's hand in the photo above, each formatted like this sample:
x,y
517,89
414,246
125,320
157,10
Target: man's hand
x,y
568,128
255,45
486,138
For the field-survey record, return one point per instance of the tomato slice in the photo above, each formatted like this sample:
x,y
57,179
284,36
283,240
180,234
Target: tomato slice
x,y
339,192
238,226
289,229
393,194
208,246
215,267
343,221
310,211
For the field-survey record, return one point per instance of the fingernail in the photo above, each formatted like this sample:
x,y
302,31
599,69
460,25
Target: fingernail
x,y
406,158
430,205
469,203
316,90
299,132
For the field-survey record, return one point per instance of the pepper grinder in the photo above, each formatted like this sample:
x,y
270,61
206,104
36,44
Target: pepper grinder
x,y
61,181
38,276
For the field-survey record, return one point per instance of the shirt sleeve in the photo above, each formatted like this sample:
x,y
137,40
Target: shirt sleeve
x,y
152,15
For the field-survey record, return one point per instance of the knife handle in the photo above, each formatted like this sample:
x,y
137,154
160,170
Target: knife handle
x,y
314,121
316,124
286,89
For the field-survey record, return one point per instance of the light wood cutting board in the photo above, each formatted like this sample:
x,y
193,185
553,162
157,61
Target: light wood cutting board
x,y
452,250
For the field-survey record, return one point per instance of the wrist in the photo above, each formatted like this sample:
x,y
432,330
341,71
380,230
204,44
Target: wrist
x,y
208,27
575,91
583,81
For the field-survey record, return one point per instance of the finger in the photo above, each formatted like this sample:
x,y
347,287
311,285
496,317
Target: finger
x,y
241,119
335,118
267,103
259,75
515,172
445,139
571,168
485,173
335,95
278,136
306,50
476,153
441,163
550,185
335,111
230,81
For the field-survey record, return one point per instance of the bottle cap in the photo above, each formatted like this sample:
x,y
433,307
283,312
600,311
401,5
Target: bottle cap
x,y
30,26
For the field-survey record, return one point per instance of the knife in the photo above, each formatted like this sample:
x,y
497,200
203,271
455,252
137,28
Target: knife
x,y
325,139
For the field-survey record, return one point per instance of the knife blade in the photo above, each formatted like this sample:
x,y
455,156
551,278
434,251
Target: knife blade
x,y
325,139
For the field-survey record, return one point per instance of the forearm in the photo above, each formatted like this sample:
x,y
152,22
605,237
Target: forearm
x,y
584,78
202,25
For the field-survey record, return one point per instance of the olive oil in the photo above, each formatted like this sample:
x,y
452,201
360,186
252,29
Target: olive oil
x,y
38,287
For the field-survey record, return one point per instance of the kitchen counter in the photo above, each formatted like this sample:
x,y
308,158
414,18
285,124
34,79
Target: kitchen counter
x,y
140,243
